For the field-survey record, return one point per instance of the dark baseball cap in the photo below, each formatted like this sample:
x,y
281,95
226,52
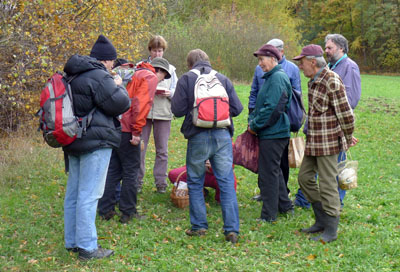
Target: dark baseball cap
x,y
310,50
269,51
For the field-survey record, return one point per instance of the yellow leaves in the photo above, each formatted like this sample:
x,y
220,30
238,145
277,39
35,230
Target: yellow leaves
x,y
311,257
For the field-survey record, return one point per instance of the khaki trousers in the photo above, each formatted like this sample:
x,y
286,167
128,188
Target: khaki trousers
x,y
324,191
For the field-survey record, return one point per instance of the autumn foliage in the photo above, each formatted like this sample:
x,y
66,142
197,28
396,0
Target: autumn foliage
x,y
38,36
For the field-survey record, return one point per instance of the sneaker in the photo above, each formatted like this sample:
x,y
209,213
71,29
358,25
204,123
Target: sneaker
x,y
263,220
231,237
257,198
126,218
108,215
99,253
289,212
161,190
139,190
199,232
72,249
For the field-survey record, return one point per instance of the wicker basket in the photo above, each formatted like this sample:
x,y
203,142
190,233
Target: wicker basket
x,y
180,198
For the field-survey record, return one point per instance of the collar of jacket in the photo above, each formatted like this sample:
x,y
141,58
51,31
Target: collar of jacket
x,y
201,64
318,77
283,59
274,70
333,66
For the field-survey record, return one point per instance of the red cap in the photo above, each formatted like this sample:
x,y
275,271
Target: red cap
x,y
310,50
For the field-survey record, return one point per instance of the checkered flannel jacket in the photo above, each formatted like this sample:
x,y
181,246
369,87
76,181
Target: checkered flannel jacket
x,y
330,117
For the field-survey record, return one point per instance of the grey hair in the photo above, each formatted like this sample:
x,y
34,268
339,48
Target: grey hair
x,y
321,62
196,55
339,40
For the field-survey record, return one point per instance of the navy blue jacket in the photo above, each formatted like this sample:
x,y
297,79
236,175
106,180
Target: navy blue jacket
x,y
95,87
183,99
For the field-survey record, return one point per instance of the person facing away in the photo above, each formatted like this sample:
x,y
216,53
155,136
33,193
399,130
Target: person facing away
x,y
336,49
293,73
330,129
214,144
158,119
125,160
89,156
270,123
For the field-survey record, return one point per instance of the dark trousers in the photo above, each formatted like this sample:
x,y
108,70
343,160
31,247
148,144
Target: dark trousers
x,y
285,166
124,165
270,178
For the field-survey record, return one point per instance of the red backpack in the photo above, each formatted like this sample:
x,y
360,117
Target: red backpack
x,y
57,120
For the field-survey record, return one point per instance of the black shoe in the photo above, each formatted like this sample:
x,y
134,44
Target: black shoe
x,y
108,215
231,237
72,249
257,198
199,232
99,253
161,190
126,218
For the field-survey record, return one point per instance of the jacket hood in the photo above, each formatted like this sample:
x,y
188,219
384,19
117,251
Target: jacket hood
x,y
78,64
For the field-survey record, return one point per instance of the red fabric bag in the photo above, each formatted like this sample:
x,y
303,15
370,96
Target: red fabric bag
x,y
245,151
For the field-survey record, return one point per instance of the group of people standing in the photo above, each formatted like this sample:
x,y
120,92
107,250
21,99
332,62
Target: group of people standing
x,y
105,156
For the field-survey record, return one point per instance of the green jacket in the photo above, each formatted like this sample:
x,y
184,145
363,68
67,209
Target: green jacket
x,y
269,119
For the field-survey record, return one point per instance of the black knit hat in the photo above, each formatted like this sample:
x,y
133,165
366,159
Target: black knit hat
x,y
103,49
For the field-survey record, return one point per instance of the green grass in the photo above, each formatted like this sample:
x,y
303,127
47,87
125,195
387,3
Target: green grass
x,y
32,187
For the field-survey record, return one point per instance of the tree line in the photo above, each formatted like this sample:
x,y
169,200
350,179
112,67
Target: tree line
x,y
38,36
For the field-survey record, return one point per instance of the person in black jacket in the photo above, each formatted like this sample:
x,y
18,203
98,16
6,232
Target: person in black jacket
x,y
89,156
214,144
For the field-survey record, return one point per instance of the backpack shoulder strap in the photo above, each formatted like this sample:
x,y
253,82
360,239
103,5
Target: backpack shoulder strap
x,y
197,72
213,72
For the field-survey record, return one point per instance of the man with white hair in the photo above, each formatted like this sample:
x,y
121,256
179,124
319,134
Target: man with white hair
x,y
336,49
293,73
330,129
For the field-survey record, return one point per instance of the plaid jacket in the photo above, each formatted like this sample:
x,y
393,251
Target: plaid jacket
x,y
330,117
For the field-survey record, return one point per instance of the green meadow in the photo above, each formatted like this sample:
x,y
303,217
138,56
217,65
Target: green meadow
x,y
33,183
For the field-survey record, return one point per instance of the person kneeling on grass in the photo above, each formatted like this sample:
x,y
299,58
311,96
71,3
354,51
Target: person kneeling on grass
x,y
209,180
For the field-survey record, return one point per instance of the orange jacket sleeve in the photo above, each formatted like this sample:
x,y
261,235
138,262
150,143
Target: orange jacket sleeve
x,y
141,90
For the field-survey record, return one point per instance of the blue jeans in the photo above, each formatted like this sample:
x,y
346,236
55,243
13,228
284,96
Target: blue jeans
x,y
215,145
85,186
301,200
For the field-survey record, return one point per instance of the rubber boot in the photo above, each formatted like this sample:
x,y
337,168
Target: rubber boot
x,y
330,229
318,225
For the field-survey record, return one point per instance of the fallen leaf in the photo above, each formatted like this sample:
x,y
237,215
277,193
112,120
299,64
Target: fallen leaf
x,y
289,254
32,261
275,263
311,257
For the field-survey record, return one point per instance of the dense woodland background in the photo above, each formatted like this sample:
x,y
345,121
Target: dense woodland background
x,y
38,36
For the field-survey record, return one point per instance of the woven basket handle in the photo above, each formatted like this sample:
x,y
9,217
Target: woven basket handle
x,y
178,178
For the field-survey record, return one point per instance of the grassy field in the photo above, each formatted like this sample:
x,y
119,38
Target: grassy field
x,y
32,188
